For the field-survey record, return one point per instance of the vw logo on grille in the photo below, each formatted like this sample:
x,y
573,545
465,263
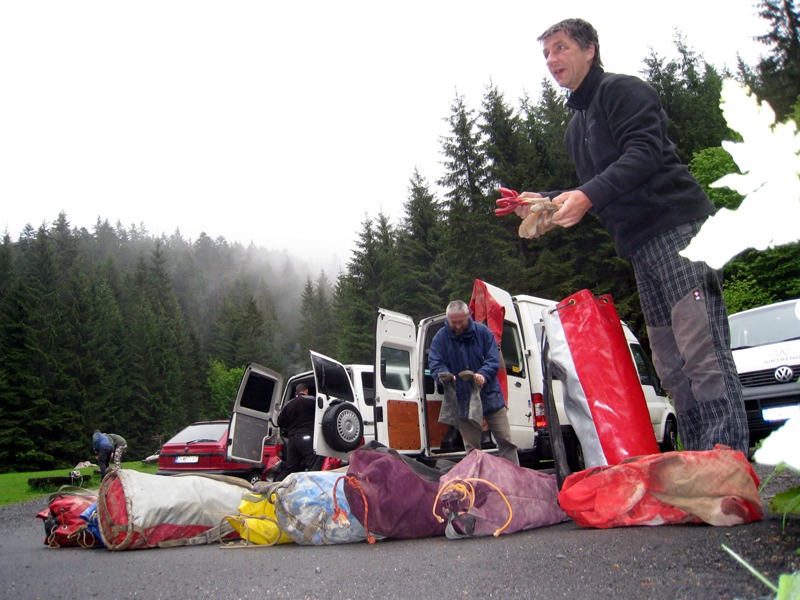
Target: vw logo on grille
x,y
784,374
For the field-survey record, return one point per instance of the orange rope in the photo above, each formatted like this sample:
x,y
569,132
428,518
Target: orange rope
x,y
467,491
340,517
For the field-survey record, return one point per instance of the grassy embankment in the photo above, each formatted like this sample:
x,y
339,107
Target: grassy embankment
x,y
14,486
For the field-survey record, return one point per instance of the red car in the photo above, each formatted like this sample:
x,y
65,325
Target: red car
x,y
201,448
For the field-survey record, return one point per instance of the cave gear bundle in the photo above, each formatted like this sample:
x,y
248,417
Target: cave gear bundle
x,y
488,495
310,513
391,494
603,397
718,487
137,510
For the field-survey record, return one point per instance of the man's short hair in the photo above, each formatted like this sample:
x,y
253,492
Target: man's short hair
x,y
579,30
302,388
458,307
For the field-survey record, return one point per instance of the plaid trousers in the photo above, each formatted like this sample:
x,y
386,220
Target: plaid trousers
x,y
690,340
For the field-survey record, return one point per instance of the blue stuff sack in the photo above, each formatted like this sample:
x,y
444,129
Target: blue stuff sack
x,y
92,527
305,506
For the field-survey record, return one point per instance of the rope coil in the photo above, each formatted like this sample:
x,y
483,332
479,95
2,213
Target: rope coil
x,y
466,491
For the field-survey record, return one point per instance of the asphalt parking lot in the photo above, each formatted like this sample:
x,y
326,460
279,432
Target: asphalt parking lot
x,y
560,561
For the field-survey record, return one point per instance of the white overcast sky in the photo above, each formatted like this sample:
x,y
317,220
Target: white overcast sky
x,y
280,123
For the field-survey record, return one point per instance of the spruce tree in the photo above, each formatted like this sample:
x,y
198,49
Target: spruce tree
x,y
776,78
473,241
358,294
689,90
417,290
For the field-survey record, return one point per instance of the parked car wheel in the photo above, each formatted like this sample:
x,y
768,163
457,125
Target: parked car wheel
x,y
342,427
254,476
670,442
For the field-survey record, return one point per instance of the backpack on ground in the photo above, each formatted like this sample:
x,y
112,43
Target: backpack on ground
x,y
63,524
256,522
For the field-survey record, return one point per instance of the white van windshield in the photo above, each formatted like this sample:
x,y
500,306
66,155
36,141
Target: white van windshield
x,y
768,325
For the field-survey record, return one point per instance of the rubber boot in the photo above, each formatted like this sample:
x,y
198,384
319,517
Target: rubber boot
x,y
449,412
475,409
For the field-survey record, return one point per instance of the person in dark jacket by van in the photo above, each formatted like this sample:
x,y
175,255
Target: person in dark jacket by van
x,y
296,421
632,179
464,345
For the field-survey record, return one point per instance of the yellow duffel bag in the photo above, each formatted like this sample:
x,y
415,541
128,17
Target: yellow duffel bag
x,y
256,522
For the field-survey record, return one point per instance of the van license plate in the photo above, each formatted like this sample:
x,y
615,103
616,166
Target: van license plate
x,y
186,459
780,413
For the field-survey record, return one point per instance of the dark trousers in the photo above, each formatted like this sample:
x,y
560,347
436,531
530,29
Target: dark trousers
x,y
299,456
103,456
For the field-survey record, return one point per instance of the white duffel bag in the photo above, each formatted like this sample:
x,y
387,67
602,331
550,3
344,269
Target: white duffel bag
x,y
136,510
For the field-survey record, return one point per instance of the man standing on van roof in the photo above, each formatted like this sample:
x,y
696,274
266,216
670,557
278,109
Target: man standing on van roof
x,y
296,421
632,179
464,345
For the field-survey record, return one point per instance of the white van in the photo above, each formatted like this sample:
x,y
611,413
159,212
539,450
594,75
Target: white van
x,y
407,408
400,408
766,348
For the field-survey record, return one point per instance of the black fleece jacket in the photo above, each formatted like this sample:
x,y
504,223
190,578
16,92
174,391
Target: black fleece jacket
x,y
297,417
626,164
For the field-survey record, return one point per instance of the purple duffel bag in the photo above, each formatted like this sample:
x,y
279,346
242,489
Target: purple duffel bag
x,y
488,495
392,495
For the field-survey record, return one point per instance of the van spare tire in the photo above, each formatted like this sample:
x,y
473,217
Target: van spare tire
x,y
342,427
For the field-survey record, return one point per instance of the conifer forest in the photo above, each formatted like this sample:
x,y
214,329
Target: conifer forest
x,y
113,328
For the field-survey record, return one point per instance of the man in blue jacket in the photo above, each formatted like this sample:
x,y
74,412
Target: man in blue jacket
x,y
632,179
464,345
103,448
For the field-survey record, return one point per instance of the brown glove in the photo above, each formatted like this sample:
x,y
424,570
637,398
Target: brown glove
x,y
539,221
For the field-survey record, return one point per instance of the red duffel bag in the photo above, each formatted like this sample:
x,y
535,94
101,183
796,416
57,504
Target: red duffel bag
x,y
717,486
603,396
63,524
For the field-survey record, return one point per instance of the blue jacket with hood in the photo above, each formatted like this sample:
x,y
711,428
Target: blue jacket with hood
x,y
475,350
101,442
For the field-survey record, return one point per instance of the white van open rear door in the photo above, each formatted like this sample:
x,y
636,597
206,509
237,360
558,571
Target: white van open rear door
x,y
338,424
398,401
250,426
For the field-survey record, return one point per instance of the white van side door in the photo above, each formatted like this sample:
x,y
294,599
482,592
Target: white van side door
x,y
258,394
398,403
